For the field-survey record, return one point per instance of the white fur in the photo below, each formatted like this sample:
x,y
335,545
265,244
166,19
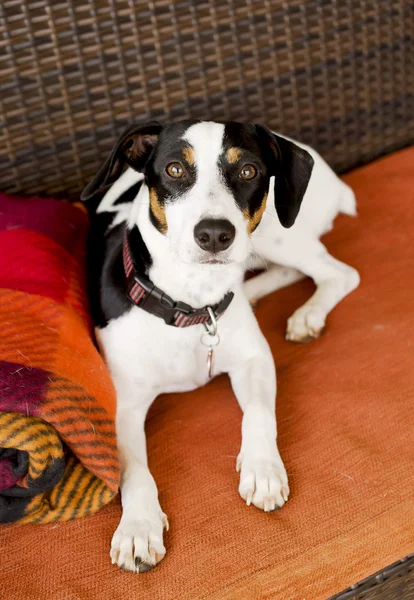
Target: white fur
x,y
147,357
122,210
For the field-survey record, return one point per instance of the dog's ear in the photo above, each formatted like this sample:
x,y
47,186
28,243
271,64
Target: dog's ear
x,y
132,148
292,168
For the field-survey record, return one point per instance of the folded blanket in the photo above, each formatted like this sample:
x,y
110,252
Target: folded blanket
x,y
58,457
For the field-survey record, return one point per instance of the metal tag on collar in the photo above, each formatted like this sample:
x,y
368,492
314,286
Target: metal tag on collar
x,y
210,339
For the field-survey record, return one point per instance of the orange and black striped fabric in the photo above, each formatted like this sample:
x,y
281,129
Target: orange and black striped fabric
x,y
58,457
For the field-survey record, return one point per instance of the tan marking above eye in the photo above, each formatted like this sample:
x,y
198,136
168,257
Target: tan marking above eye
x,y
175,170
248,172
274,150
233,154
255,218
158,210
189,156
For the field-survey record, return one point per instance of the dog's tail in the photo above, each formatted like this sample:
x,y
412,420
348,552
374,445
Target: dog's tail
x,y
347,201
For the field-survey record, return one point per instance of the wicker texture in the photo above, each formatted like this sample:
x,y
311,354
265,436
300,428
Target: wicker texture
x,y
394,583
336,74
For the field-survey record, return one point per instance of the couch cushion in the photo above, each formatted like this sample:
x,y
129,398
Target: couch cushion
x,y
345,431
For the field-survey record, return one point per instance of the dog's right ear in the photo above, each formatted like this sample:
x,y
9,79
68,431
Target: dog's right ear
x,y
133,148
292,167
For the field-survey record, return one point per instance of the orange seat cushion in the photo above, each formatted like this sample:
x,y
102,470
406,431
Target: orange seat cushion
x,y
346,433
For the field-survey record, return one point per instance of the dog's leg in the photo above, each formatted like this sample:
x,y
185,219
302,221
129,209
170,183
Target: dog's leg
x,y
263,479
137,544
275,278
334,280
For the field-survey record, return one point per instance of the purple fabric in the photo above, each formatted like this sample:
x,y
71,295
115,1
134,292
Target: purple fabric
x,y
21,392
56,220
8,476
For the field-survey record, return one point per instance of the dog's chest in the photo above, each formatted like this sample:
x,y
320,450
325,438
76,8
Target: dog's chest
x,y
160,356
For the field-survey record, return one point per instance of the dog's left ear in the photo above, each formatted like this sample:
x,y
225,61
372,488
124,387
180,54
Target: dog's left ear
x,y
132,148
292,168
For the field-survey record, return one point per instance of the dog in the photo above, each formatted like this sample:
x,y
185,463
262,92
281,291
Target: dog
x,y
170,240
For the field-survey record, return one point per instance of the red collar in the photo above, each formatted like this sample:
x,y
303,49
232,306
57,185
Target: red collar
x,y
143,293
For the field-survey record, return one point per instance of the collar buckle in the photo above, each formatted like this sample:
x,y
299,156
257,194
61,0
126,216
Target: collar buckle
x,y
156,302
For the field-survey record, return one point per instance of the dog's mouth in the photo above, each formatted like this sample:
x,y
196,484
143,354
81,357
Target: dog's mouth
x,y
214,261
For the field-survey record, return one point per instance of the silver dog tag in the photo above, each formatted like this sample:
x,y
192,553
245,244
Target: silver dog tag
x,y
210,362
210,339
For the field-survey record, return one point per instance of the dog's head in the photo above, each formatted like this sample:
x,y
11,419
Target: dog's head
x,y
208,183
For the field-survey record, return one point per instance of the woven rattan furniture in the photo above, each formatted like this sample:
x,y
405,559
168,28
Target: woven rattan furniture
x,y
394,583
338,75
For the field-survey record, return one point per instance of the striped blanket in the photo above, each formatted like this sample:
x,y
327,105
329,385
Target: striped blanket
x,y
58,457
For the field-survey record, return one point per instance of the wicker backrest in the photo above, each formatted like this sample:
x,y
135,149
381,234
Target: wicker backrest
x,y
336,74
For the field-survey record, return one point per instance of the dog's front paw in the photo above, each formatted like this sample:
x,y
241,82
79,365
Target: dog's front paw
x,y
137,544
306,324
262,482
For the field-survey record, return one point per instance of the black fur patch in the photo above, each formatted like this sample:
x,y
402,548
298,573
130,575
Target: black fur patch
x,y
168,150
247,194
106,275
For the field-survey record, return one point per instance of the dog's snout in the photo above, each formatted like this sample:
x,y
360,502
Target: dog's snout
x,y
214,235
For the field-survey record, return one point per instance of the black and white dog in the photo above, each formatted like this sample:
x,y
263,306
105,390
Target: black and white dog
x,y
169,245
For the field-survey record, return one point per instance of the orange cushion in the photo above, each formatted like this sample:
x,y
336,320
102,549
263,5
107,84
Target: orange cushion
x,y
346,433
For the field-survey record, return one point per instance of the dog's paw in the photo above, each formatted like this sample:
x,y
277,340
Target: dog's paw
x,y
305,324
137,544
262,482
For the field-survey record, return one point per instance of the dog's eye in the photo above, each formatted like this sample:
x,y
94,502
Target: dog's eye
x,y
175,170
248,172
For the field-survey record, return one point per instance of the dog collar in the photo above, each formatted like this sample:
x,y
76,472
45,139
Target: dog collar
x,y
143,293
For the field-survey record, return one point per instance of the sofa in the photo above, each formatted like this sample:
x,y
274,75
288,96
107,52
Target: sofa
x,y
339,77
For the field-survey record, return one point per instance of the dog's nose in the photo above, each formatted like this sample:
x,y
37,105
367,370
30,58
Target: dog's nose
x,y
214,235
